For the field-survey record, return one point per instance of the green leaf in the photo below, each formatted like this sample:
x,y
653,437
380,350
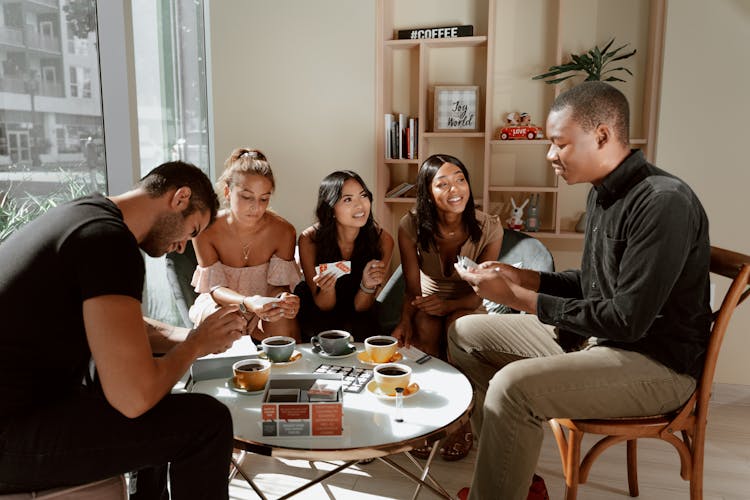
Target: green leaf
x,y
558,80
613,79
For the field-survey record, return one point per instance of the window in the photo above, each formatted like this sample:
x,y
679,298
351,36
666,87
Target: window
x,y
169,54
80,81
171,83
45,136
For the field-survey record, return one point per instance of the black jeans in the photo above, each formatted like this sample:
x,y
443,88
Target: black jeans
x,y
84,439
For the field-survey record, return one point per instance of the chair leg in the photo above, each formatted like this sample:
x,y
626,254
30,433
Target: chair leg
x,y
696,473
632,447
573,464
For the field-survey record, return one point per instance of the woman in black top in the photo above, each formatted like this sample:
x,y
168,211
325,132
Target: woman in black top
x,y
345,231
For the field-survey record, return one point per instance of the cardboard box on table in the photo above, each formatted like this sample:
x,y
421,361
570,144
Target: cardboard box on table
x,y
304,417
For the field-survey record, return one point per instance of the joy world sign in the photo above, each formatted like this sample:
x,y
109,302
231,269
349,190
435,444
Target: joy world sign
x,y
456,108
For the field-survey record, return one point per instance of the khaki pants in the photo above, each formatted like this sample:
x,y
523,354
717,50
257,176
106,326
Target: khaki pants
x,y
523,378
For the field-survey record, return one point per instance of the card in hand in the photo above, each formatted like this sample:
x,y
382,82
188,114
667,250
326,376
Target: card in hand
x,y
338,269
466,263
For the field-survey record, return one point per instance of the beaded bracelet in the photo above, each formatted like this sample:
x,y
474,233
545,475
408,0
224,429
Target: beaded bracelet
x,y
368,291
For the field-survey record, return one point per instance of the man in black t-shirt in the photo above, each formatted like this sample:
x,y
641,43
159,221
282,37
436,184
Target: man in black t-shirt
x,y
70,289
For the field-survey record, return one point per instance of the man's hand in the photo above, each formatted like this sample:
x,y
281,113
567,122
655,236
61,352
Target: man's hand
x,y
218,331
497,282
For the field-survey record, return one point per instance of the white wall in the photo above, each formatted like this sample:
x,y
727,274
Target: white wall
x,y
295,79
703,129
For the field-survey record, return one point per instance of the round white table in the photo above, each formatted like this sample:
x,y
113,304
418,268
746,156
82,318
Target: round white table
x,y
442,405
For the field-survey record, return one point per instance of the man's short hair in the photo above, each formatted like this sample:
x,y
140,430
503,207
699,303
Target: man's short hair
x,y
177,174
594,103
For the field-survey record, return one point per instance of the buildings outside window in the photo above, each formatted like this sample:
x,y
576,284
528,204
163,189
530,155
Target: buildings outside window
x,y
43,91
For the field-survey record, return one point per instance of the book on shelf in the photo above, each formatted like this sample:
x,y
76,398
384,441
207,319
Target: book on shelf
x,y
399,190
411,151
387,136
401,136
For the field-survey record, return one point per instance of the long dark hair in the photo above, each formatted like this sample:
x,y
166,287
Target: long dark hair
x,y
325,238
427,216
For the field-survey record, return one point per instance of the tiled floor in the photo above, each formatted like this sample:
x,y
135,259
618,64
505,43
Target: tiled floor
x,y
727,468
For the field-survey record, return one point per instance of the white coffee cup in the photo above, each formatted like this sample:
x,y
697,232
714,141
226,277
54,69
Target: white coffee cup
x,y
388,376
381,348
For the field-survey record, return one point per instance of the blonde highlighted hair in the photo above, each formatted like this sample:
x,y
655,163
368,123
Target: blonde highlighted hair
x,y
245,161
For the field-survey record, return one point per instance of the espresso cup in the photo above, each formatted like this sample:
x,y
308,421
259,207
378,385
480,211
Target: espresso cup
x,y
388,376
381,348
278,349
251,374
333,342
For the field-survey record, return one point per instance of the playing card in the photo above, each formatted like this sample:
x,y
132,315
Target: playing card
x,y
261,301
466,262
338,269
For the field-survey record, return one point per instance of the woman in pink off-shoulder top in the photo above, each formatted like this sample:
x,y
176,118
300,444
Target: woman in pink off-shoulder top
x,y
247,254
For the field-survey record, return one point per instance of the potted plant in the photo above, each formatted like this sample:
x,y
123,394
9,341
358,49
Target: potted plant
x,y
593,63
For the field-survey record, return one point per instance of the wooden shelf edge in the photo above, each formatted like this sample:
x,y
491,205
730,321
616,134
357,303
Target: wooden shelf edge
x,y
448,135
462,41
401,160
400,200
520,142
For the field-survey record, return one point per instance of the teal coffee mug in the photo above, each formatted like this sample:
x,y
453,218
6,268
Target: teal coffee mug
x,y
278,349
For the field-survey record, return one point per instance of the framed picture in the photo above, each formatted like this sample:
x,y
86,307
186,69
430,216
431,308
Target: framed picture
x,y
456,108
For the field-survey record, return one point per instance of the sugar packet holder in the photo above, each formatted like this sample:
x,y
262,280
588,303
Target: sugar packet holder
x,y
338,269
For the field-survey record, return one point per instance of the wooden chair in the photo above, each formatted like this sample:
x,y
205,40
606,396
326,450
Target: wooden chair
x,y
689,421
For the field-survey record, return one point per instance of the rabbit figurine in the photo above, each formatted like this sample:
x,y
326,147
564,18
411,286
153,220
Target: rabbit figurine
x,y
516,219
532,221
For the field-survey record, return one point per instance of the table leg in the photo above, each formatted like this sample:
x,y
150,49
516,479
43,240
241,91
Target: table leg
x,y
318,479
235,468
438,489
247,478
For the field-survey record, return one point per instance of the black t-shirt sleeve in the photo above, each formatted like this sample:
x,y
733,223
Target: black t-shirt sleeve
x,y
103,257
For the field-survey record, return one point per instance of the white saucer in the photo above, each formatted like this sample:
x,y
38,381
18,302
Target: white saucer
x,y
296,356
320,352
374,389
232,386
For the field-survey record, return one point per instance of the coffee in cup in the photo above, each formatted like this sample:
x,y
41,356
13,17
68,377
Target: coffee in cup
x,y
278,349
251,374
381,348
388,376
333,342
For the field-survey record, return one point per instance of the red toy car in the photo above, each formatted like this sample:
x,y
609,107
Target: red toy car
x,y
520,132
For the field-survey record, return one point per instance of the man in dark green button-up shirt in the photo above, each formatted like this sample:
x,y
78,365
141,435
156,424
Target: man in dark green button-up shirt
x,y
638,307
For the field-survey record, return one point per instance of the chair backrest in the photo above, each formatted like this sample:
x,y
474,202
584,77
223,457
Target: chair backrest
x,y
180,268
736,267
529,252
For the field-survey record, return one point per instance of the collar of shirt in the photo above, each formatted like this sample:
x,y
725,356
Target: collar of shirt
x,y
630,172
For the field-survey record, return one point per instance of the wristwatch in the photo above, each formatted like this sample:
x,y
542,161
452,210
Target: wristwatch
x,y
243,308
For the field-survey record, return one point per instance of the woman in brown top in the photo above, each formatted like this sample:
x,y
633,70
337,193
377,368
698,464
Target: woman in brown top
x,y
443,226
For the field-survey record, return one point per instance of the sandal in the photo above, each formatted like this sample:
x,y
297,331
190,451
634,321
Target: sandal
x,y
459,446
422,452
